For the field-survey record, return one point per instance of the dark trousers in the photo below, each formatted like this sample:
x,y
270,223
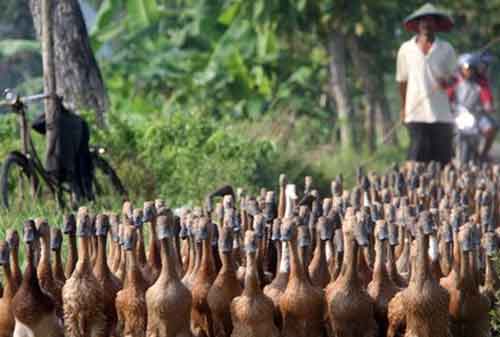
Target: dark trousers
x,y
430,142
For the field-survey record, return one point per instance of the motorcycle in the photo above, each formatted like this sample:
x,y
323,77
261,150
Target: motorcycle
x,y
467,136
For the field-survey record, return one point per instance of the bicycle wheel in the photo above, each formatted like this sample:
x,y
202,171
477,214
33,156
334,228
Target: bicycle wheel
x,y
18,181
106,181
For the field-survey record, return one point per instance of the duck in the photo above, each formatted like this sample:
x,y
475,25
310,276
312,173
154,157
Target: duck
x,y
350,310
318,268
69,229
226,286
382,288
168,300
84,315
130,301
47,281
201,317
153,258
423,305
277,287
12,238
34,310
7,321
468,308
57,263
491,280
301,304
252,311
106,279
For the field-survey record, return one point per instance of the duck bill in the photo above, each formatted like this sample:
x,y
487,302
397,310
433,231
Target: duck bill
x,y
4,257
55,243
304,241
128,244
163,232
490,248
29,235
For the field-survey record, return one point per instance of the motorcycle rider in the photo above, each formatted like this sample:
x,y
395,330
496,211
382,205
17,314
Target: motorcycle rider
x,y
471,90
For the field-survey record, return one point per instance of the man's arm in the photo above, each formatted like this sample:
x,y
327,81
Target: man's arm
x,y
402,94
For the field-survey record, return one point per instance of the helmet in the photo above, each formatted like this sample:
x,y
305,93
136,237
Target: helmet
x,y
469,60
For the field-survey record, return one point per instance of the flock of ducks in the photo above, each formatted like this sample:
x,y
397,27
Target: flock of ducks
x,y
407,253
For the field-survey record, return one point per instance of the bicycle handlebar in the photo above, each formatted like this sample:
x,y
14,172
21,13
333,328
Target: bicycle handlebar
x,y
12,98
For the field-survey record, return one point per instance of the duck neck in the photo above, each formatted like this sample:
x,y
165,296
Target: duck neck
x,y
191,255
277,245
153,256
289,207
490,275
83,264
228,265
350,262
285,259
252,287
58,264
72,254
168,271
379,270
456,253
133,276
207,262
141,249
101,265
30,278
44,263
9,287
296,267
391,260
466,278
197,255
14,258
281,203
422,261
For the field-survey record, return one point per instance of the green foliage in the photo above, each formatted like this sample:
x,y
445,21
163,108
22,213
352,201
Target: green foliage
x,y
9,48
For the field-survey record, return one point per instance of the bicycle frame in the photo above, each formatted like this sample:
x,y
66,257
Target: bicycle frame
x,y
18,106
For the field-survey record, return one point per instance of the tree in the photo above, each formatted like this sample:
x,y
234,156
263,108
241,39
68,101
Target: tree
x,y
78,76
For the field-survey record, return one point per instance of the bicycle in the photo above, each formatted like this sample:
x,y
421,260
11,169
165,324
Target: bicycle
x,y
22,171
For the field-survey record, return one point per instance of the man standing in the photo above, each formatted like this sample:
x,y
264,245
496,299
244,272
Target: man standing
x,y
425,66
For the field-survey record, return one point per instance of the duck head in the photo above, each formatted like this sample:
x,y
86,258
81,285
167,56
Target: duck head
x,y
465,238
446,232
203,232
276,230
338,240
12,238
325,229
381,230
69,224
101,225
148,211
30,233
489,243
283,181
226,240
4,253
129,238
159,203
289,230
42,227
137,218
337,186
56,239
270,206
303,236
164,226
393,233
83,226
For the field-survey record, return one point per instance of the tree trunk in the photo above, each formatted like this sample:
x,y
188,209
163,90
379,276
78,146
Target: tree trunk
x,y
78,76
49,86
339,89
374,91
